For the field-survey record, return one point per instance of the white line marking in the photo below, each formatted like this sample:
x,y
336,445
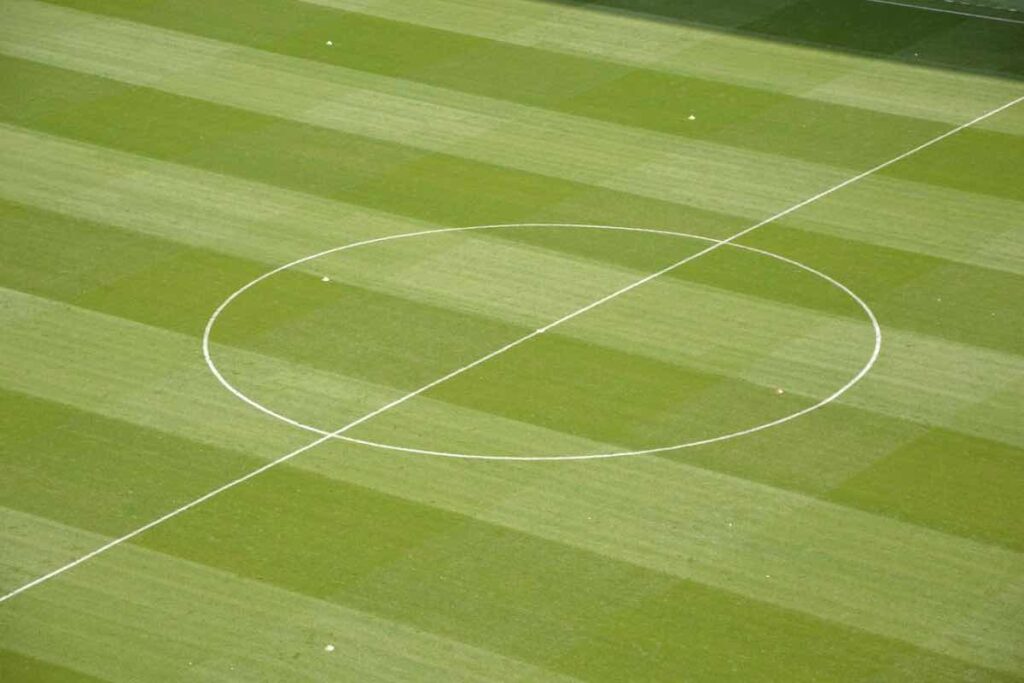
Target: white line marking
x,y
972,15
288,456
208,334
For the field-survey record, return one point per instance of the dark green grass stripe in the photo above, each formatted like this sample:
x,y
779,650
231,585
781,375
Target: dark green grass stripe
x,y
861,26
735,115
492,587
102,267
932,477
976,160
854,25
17,667
177,287
385,339
963,485
153,281
444,189
101,474
908,291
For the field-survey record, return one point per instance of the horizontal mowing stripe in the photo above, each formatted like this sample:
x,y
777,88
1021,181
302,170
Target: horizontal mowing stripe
x,y
373,173
177,266
914,553
427,186
211,417
744,117
163,390
303,305
658,166
932,410
702,483
147,615
127,601
690,47
26,668
616,158
902,263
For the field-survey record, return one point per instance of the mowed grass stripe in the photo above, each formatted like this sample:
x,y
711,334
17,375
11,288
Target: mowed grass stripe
x,y
145,195
32,669
985,239
979,596
393,341
743,117
807,353
981,411
143,611
275,510
693,49
124,602
381,175
930,411
713,178
240,521
168,390
777,519
527,138
644,163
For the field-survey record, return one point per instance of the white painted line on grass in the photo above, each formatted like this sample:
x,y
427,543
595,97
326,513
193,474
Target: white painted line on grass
x,y
972,15
288,456
873,356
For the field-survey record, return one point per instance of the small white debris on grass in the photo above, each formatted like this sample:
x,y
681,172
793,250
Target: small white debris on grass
x,y
328,647
779,391
329,43
325,279
691,117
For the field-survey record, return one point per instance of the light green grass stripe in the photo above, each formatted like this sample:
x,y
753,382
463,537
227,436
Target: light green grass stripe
x,y
648,42
698,174
855,568
793,347
659,166
160,615
157,379
927,219
273,225
222,213
219,212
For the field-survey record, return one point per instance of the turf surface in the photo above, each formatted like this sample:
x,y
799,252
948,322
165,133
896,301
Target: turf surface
x,y
156,156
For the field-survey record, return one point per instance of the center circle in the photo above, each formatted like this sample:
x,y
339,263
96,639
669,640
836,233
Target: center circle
x,y
871,355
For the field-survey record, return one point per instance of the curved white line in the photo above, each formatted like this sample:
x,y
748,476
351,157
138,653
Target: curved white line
x,y
288,456
715,243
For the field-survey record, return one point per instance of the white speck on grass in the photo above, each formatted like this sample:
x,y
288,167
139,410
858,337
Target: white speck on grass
x,y
330,43
328,648
325,279
692,117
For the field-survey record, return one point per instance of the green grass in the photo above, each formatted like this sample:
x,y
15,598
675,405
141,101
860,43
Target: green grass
x,y
156,156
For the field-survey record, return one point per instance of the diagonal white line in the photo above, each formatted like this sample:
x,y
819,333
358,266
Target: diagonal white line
x,y
412,394
987,17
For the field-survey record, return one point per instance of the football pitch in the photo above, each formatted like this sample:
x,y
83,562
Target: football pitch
x,y
511,340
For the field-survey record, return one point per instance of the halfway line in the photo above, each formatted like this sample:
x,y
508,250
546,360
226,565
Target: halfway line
x,y
412,394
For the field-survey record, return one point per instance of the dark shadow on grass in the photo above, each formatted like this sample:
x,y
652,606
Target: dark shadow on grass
x,y
856,26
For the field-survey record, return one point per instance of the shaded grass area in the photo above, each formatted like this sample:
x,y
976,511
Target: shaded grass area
x,y
853,25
